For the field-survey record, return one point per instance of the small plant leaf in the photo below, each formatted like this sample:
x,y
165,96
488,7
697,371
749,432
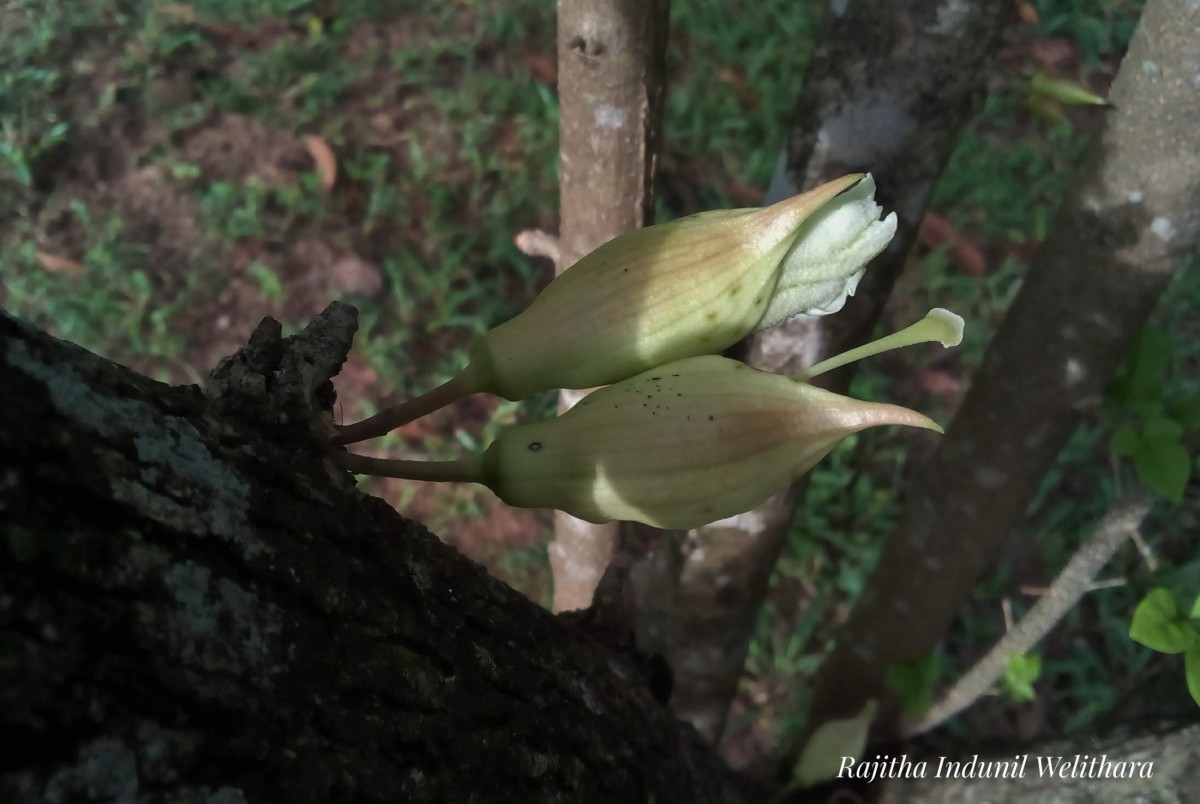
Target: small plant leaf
x,y
1138,383
831,744
1158,626
1187,413
1125,440
913,683
1164,465
1191,670
1153,355
1163,427
1064,91
1195,612
1022,670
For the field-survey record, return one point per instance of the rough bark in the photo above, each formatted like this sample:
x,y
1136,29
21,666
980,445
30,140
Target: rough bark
x,y
888,91
196,607
610,79
1124,229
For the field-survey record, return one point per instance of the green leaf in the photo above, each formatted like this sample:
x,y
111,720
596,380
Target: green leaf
x,y
1162,427
913,683
1191,671
1158,626
1125,440
831,744
1140,377
1187,413
1064,91
1195,612
1022,670
1163,465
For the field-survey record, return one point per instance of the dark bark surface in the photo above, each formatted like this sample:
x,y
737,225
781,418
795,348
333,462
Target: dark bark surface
x,y
195,607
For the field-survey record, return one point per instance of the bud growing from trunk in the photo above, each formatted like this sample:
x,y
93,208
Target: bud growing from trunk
x,y
691,287
686,443
678,446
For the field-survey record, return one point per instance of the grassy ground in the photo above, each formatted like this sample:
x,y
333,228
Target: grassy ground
x,y
162,188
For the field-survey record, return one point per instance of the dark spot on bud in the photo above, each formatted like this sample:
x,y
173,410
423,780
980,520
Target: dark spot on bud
x,y
758,299
534,446
711,316
710,418
736,289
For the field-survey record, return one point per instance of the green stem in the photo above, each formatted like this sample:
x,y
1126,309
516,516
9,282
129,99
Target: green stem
x,y
464,470
461,385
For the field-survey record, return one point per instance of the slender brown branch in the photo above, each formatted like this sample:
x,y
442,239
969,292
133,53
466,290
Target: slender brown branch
x,y
611,66
537,243
1075,580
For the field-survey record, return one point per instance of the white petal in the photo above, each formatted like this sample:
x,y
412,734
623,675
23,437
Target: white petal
x,y
830,255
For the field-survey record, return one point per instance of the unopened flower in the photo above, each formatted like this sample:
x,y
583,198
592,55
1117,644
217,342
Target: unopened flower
x,y
678,446
681,445
691,287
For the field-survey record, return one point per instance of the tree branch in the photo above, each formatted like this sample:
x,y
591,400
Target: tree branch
x,y
611,84
1072,583
1123,231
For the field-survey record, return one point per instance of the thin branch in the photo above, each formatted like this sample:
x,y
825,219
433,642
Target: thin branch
x,y
537,243
1075,580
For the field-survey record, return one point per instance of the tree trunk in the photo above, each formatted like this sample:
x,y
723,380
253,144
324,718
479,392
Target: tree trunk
x,y
888,91
1123,231
611,60
196,607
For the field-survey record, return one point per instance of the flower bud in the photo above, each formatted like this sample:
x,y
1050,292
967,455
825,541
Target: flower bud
x,y
686,443
690,287
679,446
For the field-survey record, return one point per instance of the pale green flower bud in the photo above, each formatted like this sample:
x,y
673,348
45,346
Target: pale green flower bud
x,y
690,287
686,443
678,446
